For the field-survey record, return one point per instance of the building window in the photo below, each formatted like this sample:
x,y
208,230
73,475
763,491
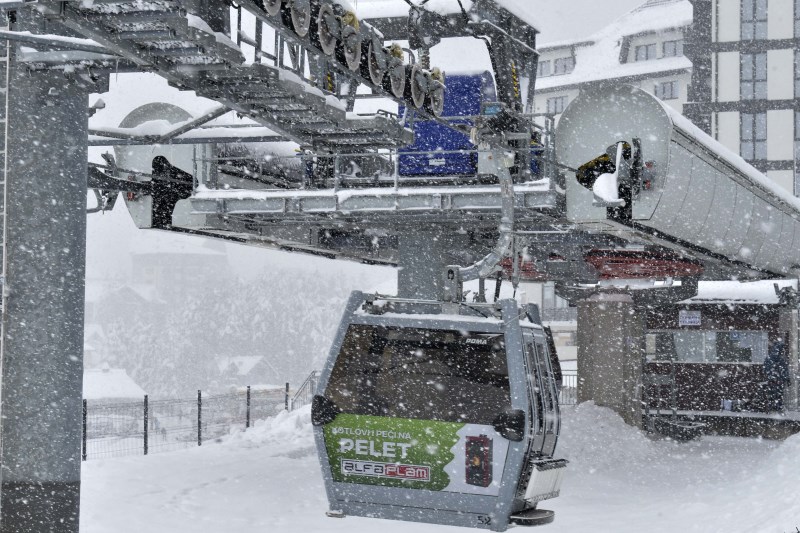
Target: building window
x,y
754,19
684,346
754,76
543,69
754,136
557,104
645,52
563,65
673,48
668,90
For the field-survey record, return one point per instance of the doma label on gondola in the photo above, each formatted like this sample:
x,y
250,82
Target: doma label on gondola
x,y
415,454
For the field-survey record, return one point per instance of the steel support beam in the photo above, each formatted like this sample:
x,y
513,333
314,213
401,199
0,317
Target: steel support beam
x,y
43,315
789,330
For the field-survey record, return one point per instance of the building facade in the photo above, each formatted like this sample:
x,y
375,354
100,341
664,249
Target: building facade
x,y
746,82
644,48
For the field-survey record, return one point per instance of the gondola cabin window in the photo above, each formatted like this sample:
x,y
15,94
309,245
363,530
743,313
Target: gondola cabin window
x,y
451,376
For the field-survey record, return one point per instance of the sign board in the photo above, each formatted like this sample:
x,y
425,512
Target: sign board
x,y
416,454
689,318
650,343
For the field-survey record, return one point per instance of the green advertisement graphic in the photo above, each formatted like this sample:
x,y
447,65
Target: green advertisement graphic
x,y
390,452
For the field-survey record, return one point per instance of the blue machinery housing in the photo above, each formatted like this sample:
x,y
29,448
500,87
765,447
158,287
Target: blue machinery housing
x,y
440,151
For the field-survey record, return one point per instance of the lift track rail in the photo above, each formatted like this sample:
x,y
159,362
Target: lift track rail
x,y
164,37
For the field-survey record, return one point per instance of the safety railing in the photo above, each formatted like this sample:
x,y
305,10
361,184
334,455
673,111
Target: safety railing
x,y
568,395
306,391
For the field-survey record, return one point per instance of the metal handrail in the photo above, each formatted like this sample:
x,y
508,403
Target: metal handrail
x,y
306,390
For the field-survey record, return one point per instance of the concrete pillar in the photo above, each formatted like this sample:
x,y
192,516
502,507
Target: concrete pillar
x,y
610,333
43,301
789,328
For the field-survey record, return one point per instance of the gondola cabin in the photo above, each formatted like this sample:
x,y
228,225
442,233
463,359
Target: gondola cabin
x,y
439,413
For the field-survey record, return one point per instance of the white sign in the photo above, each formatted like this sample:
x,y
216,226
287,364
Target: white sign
x,y
689,318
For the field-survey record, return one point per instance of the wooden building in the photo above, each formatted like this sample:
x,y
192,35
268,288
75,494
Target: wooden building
x,y
705,356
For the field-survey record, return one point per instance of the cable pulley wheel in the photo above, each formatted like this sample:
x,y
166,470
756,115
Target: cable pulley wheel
x,y
416,86
350,48
328,27
300,16
272,7
395,81
375,62
434,104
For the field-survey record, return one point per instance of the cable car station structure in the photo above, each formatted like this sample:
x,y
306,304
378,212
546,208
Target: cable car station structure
x,y
679,208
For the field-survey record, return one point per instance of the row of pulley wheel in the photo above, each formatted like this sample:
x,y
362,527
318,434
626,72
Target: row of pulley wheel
x,y
335,29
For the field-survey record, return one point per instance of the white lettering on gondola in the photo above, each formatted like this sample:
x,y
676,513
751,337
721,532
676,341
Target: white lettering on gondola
x,y
370,448
371,433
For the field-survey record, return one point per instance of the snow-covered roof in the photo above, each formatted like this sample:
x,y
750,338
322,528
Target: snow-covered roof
x,y
110,384
243,363
93,331
597,57
733,292
145,292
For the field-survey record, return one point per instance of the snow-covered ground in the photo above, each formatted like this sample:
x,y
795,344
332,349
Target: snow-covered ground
x,y
268,479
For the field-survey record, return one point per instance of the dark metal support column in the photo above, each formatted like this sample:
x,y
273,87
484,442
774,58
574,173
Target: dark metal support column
x,y
789,330
145,421
84,433
43,300
199,418
247,421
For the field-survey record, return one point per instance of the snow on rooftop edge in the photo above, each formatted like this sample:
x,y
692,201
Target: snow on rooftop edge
x,y
599,56
715,147
753,292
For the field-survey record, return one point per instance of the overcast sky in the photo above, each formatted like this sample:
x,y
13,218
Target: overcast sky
x,y
576,19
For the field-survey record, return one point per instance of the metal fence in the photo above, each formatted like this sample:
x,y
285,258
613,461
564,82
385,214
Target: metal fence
x,y
568,395
150,426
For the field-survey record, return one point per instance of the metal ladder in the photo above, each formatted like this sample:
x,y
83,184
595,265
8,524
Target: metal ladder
x,y
657,382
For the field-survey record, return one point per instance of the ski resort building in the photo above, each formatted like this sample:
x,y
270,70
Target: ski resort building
x,y
705,357
746,82
643,47
744,86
